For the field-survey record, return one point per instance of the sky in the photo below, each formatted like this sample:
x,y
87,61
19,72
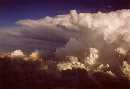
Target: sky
x,y
13,10
23,24
56,28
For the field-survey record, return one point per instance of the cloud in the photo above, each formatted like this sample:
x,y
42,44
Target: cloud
x,y
73,34
97,43
82,27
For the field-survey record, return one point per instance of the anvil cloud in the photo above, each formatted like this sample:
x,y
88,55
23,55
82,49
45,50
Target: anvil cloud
x,y
70,34
95,45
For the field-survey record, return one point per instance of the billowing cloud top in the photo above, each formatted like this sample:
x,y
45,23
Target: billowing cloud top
x,y
111,25
73,33
93,42
104,23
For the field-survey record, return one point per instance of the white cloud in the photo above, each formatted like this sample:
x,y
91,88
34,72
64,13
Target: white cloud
x,y
113,26
110,24
126,69
73,63
17,53
93,56
72,34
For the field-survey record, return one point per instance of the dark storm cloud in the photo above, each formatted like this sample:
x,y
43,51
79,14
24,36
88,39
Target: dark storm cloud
x,y
21,38
45,39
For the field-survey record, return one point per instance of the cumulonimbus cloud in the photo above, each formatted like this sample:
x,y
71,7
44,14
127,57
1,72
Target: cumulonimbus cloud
x,y
74,33
96,41
110,25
